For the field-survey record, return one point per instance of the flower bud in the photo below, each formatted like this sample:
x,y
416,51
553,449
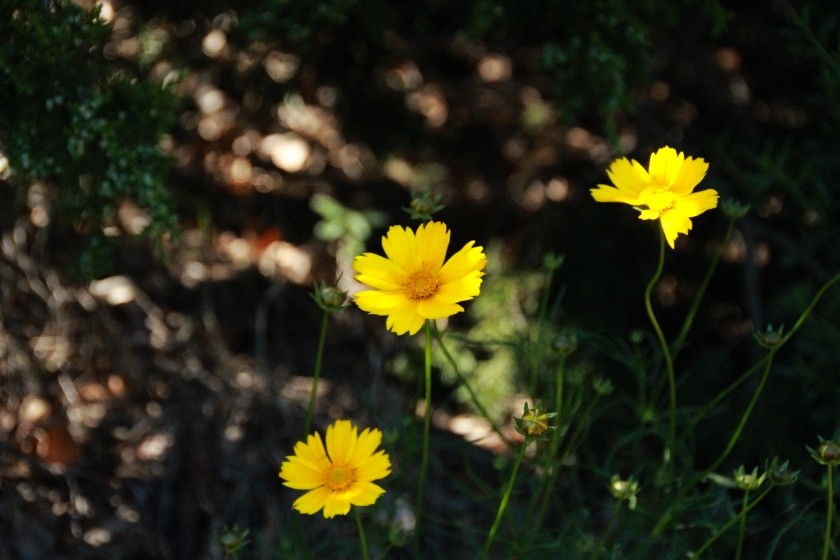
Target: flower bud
x,y
534,422
748,481
734,208
622,489
424,204
770,337
233,539
552,261
566,342
779,474
329,298
827,453
603,386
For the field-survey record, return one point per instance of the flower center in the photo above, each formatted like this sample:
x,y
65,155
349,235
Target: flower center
x,y
421,284
658,198
339,477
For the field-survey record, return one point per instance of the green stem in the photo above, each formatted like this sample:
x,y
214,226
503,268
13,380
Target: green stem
x,y
505,499
666,354
537,351
427,423
473,395
737,434
828,514
316,376
723,394
362,539
701,291
744,511
743,526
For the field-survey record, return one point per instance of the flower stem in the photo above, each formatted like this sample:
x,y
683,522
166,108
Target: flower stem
x,y
362,539
666,354
828,514
744,511
316,376
505,499
743,525
427,424
737,434
465,382
538,345
701,291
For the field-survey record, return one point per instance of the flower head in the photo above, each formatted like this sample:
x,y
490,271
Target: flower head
x,y
340,475
413,283
662,192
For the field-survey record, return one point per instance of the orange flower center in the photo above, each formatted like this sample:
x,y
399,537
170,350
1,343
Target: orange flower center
x,y
421,284
339,477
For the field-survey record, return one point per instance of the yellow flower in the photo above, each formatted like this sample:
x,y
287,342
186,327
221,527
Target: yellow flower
x,y
662,192
414,283
340,475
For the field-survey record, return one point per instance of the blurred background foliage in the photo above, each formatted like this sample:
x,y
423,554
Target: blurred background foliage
x,y
259,145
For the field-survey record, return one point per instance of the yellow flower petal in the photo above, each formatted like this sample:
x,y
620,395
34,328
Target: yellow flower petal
x,y
336,504
405,319
366,493
313,501
630,177
400,246
696,203
460,289
434,308
664,166
691,173
378,272
605,193
373,468
341,439
432,242
674,223
468,260
380,303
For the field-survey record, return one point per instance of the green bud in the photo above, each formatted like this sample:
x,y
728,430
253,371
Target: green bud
x,y
566,342
827,453
779,474
233,539
748,481
329,298
622,489
603,386
535,422
424,204
734,208
770,337
552,261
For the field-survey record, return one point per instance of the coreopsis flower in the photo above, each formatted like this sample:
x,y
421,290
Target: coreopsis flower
x,y
340,475
662,192
412,282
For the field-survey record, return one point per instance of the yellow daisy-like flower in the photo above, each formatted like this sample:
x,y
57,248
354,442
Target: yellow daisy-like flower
x,y
414,283
340,475
662,192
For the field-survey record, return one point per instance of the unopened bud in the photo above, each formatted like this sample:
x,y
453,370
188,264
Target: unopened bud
x,y
534,422
734,208
329,298
770,337
748,481
622,489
